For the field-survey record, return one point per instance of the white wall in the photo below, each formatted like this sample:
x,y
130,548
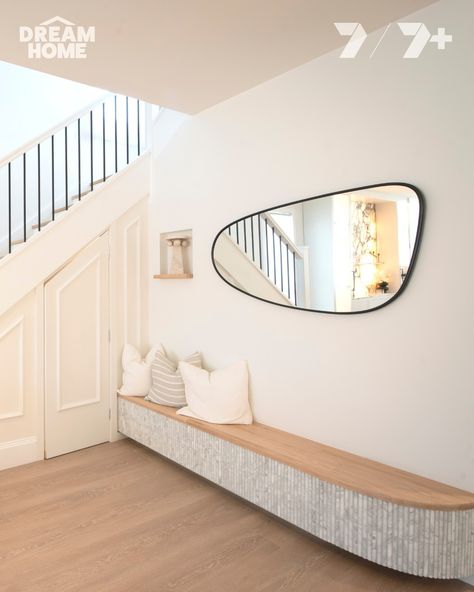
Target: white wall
x,y
318,237
32,102
396,384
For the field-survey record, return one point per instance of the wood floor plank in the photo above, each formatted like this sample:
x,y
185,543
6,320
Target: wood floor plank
x,y
119,518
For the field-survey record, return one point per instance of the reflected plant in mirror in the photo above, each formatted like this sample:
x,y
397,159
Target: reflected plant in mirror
x,y
346,252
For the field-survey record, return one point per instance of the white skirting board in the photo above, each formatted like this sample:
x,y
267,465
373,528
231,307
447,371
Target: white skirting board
x,y
430,543
19,452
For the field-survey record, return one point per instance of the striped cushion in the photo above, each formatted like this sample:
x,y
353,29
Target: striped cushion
x,y
167,386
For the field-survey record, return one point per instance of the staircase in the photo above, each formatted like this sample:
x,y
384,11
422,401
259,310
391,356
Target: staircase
x,y
41,181
272,254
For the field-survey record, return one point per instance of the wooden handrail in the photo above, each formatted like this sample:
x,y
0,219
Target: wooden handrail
x,y
54,130
274,224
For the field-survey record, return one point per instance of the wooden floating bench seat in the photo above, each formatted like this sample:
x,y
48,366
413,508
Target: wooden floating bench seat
x,y
381,513
331,464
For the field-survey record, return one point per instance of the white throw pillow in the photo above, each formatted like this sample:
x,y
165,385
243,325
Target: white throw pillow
x,y
221,396
137,372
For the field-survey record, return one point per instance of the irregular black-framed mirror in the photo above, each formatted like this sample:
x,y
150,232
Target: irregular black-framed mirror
x,y
347,252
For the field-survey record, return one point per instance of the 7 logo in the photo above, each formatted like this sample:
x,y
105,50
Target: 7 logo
x,y
419,32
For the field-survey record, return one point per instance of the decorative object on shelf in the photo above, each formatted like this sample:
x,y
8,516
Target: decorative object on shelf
x,y
176,261
326,253
175,255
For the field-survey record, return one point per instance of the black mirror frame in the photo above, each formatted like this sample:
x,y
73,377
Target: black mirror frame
x,y
409,272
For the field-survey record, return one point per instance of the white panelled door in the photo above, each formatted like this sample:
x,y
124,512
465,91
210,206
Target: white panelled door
x,y
77,352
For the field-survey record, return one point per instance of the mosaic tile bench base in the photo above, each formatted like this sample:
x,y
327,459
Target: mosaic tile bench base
x,y
423,542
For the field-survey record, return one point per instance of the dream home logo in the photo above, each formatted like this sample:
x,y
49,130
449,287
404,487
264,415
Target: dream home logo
x,y
57,38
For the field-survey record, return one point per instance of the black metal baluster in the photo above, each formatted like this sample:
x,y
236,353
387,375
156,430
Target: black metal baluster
x,y
9,207
281,264
288,268
79,156
53,208
266,247
116,147
274,257
40,222
92,151
127,128
253,244
103,139
229,230
245,235
66,176
237,232
138,125
39,187
294,275
24,197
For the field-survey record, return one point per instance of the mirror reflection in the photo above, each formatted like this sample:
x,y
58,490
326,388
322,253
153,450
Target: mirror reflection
x,y
342,253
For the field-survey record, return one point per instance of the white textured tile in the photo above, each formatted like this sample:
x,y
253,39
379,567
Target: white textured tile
x,y
430,543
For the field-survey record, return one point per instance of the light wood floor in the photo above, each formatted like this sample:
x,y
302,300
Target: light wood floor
x,y
119,518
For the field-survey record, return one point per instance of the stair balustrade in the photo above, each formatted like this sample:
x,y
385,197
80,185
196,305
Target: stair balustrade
x,y
57,170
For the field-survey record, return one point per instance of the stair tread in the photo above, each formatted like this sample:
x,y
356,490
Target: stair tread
x,y
18,241
71,201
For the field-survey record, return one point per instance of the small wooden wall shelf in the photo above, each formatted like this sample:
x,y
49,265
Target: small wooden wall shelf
x,y
173,276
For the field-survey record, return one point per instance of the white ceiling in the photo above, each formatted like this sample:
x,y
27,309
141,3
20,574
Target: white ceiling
x,y
192,54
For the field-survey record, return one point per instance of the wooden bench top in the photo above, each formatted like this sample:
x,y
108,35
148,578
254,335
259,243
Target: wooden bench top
x,y
331,464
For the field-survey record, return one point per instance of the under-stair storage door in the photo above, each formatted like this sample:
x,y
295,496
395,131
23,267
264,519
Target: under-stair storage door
x,y
21,438
77,352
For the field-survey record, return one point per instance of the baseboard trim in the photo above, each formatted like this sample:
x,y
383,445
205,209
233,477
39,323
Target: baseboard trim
x,y
18,452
